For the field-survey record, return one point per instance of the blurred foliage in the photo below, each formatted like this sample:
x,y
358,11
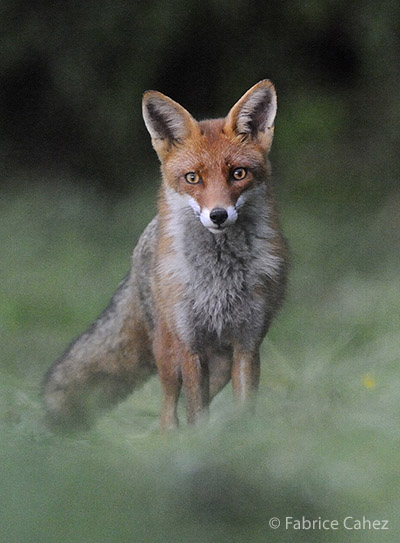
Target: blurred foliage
x,y
325,438
72,75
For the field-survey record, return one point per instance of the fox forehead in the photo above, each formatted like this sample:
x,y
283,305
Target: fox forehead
x,y
213,148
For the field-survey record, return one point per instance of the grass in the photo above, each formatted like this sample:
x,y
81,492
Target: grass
x,y
324,443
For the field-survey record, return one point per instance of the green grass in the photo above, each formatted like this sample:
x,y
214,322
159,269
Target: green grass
x,y
324,442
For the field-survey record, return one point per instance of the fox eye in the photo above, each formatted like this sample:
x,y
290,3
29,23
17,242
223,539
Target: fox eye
x,y
239,173
192,178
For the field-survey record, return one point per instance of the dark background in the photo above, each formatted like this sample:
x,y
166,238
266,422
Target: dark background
x,y
72,75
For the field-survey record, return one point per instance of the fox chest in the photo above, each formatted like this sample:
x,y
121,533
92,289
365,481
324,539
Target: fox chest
x,y
222,295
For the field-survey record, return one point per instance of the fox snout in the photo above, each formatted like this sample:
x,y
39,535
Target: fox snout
x,y
218,215
218,218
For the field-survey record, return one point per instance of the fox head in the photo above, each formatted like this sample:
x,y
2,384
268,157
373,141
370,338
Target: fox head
x,y
212,166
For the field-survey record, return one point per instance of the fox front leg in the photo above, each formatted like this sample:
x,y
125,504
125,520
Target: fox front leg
x,y
245,375
196,383
171,386
170,376
177,365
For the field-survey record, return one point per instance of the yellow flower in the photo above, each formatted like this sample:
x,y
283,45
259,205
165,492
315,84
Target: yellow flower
x,y
368,381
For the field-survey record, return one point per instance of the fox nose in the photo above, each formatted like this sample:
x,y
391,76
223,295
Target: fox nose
x,y
218,215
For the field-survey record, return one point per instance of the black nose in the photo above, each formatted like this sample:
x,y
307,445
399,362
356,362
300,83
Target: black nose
x,y
218,215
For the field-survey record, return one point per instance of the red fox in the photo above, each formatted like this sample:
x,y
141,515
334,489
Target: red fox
x,y
208,274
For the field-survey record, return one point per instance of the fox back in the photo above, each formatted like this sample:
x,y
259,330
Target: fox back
x,y
208,274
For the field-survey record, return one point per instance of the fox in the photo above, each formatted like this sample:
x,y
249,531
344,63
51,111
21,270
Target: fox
x,y
208,274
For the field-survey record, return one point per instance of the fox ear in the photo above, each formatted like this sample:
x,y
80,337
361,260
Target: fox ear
x,y
254,114
167,121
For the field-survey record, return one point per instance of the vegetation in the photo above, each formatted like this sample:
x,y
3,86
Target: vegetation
x,y
324,442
